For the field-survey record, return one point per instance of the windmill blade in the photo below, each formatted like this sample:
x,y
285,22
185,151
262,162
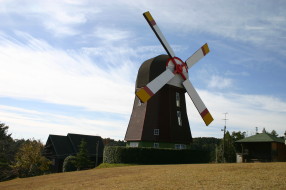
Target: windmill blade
x,y
204,112
200,53
159,34
145,93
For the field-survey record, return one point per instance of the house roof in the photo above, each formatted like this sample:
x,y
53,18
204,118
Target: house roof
x,y
61,144
69,145
91,142
262,137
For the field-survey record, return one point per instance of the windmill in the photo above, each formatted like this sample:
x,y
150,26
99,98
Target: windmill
x,y
159,117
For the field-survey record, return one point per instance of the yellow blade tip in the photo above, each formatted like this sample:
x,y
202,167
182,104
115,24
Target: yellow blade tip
x,y
208,119
148,16
205,49
143,95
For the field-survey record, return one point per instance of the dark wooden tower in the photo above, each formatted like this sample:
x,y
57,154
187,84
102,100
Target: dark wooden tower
x,y
162,121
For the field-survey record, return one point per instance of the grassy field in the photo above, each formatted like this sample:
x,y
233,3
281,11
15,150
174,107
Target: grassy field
x,y
187,176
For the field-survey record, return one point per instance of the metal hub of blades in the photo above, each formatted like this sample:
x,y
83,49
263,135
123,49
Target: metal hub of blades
x,y
178,67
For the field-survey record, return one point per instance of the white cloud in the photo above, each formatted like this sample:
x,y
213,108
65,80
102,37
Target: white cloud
x,y
111,34
230,73
59,17
258,22
219,82
245,113
25,123
40,72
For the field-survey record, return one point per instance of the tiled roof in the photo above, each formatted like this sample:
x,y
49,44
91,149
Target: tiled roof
x,y
68,145
91,142
262,137
61,144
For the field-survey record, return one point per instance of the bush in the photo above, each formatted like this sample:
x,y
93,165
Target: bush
x,y
69,164
29,160
153,156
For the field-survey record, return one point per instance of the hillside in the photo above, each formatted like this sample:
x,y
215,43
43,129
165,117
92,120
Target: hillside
x,y
190,176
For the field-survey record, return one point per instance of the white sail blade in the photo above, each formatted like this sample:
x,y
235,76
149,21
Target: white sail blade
x,y
159,34
205,114
145,93
200,53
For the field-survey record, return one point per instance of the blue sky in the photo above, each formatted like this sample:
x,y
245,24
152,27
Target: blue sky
x,y
70,66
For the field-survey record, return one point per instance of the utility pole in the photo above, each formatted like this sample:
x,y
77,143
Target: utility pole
x,y
223,145
96,161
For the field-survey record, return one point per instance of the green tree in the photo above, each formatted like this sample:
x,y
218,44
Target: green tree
x,y
112,142
273,132
209,144
264,130
5,143
226,151
219,153
235,137
29,160
229,154
82,158
7,150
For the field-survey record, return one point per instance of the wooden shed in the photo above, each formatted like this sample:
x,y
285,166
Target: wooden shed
x,y
58,147
262,147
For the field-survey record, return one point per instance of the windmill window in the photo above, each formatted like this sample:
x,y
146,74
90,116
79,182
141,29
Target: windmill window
x,y
179,118
134,144
180,146
177,99
156,145
139,103
156,131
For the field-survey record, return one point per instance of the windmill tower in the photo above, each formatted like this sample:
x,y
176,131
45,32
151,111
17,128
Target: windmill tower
x,y
159,116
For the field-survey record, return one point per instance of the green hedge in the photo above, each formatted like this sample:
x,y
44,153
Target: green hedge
x,y
126,155
69,164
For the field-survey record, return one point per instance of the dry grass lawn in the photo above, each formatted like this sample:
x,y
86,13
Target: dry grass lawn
x,y
187,176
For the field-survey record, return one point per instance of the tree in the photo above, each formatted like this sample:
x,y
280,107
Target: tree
x,y
29,160
219,153
238,135
228,154
235,137
208,144
273,132
7,151
82,159
264,130
112,142
4,131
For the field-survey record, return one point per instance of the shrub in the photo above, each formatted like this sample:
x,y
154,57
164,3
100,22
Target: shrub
x,y
29,160
153,156
69,164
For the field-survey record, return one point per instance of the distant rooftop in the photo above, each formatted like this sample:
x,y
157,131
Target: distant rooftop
x,y
262,137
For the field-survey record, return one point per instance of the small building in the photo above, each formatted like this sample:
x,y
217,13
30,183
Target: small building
x,y
58,147
262,147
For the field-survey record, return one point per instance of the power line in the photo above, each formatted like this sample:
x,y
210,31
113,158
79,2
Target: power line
x,y
225,118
